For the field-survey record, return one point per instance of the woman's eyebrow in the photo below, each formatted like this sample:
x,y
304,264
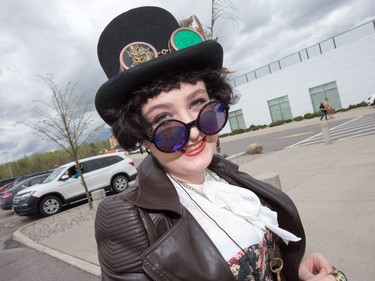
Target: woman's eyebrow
x,y
192,95
158,106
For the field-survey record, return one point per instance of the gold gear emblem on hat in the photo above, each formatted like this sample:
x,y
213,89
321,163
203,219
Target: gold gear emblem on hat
x,y
136,53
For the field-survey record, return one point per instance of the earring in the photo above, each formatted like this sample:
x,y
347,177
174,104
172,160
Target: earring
x,y
148,150
218,148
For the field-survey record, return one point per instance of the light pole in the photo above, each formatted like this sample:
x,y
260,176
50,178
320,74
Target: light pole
x,y
9,168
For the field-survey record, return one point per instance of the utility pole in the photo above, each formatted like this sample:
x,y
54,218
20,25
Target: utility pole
x,y
9,168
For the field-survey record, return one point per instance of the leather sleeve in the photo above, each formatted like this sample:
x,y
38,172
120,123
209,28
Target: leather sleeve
x,y
121,239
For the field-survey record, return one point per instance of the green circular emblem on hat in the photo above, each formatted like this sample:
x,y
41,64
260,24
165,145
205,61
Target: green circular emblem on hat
x,y
184,38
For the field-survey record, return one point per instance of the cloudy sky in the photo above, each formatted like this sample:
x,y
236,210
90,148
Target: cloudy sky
x,y
51,36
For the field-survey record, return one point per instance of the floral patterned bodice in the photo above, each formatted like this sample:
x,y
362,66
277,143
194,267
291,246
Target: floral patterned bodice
x,y
253,264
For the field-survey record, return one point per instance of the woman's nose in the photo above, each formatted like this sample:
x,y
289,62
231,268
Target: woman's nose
x,y
194,133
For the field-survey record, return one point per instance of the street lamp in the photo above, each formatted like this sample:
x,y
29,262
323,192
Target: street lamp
x,y
9,168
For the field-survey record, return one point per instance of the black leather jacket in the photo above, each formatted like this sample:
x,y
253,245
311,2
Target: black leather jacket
x,y
147,234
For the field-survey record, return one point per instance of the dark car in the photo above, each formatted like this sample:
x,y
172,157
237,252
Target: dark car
x,y
6,198
6,186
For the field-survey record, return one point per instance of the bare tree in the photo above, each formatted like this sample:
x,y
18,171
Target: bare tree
x,y
65,121
221,9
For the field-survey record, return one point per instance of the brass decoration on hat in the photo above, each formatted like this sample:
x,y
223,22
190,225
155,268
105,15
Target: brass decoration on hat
x,y
136,53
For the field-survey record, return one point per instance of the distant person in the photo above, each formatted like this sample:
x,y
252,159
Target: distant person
x,y
329,108
323,111
78,171
192,215
74,172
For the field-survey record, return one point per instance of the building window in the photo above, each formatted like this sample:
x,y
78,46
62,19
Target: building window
x,y
263,71
327,45
236,120
275,66
290,60
280,109
313,51
319,93
303,55
240,80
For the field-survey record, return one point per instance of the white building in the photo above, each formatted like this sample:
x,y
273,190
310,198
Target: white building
x,y
341,68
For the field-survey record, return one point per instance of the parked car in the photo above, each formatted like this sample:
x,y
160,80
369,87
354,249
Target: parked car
x,y
117,151
14,181
6,186
371,100
113,172
6,181
6,198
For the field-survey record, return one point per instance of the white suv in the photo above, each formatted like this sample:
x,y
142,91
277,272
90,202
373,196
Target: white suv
x,y
63,187
371,100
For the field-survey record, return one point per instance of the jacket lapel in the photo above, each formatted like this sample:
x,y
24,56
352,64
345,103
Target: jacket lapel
x,y
174,256
185,253
155,191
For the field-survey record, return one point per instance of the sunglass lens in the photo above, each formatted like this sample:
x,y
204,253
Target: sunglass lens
x,y
213,118
171,136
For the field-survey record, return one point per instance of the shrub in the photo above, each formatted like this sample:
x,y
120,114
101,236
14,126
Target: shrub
x,y
309,115
238,131
363,103
257,127
341,110
351,106
298,118
224,135
288,120
276,123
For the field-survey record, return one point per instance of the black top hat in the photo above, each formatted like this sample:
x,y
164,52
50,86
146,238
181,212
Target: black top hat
x,y
146,26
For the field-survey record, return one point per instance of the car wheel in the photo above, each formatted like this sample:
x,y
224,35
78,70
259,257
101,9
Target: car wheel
x,y
120,183
49,206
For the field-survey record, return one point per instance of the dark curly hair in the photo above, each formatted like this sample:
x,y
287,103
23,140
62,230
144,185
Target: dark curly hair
x,y
130,126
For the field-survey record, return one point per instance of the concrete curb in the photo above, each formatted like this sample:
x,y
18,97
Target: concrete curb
x,y
79,263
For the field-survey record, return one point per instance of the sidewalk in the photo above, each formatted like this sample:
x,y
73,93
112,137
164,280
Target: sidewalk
x,y
332,186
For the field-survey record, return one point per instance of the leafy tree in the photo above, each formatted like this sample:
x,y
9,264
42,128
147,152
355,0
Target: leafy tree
x,y
43,161
65,121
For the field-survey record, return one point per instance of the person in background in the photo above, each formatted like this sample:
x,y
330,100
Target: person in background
x,y
323,111
78,171
193,215
328,107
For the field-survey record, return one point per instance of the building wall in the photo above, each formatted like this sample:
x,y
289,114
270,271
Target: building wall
x,y
113,142
352,66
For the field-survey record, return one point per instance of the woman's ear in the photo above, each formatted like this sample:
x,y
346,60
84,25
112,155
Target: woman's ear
x,y
146,144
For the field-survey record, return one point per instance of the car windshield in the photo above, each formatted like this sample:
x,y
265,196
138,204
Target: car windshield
x,y
54,174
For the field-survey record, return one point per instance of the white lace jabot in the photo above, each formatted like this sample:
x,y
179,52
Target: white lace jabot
x,y
246,204
239,201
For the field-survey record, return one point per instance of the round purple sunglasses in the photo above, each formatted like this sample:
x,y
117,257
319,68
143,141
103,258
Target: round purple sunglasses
x,y
172,135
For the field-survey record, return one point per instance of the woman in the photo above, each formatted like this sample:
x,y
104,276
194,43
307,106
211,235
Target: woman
x,y
193,215
328,107
323,111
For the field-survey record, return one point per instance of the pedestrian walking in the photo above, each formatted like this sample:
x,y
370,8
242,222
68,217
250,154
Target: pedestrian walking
x,y
323,111
328,107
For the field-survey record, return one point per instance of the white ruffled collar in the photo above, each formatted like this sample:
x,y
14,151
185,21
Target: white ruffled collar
x,y
240,201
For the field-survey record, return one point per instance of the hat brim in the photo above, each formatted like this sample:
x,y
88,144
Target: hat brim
x,y
117,90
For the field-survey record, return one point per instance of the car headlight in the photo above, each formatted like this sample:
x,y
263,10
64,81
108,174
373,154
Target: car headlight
x,y
25,196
